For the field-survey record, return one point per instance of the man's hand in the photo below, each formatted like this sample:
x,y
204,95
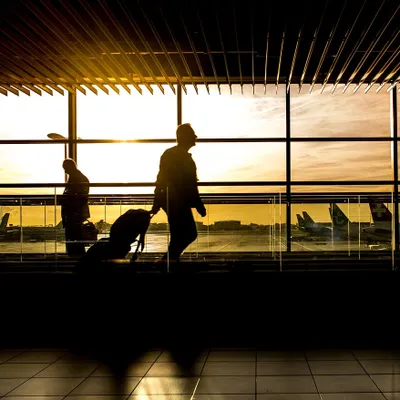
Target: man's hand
x,y
154,210
201,210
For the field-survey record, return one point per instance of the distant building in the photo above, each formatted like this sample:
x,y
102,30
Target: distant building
x,y
227,225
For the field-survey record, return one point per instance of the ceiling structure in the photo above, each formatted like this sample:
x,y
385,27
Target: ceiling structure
x,y
102,45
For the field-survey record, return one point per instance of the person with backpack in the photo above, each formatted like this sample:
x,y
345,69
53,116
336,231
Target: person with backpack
x,y
177,193
74,207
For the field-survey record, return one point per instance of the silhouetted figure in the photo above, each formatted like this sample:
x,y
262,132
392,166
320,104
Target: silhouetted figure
x,y
74,208
177,192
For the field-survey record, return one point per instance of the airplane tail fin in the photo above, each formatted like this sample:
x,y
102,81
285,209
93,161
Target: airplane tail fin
x,y
339,218
4,222
380,213
307,218
300,221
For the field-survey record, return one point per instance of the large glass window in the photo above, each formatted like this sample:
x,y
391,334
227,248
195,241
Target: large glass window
x,y
335,114
235,115
341,161
33,117
127,116
27,163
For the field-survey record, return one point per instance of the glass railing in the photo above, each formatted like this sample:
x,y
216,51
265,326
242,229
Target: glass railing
x,y
239,228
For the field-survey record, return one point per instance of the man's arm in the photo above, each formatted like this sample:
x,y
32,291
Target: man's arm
x,y
159,192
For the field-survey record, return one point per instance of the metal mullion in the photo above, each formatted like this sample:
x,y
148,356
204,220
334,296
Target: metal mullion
x,y
209,52
219,140
192,46
9,88
179,105
394,132
138,31
72,47
378,75
369,50
114,64
164,49
375,63
314,39
183,59
356,47
223,48
72,127
341,47
288,171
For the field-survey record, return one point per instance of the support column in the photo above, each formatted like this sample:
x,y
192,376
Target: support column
x,y
288,173
179,104
395,166
72,146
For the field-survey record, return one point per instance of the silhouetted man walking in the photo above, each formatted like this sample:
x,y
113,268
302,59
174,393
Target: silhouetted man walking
x,y
177,193
74,207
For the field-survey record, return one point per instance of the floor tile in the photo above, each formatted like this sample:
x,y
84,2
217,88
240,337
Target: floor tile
x,y
345,384
47,386
392,396
106,385
387,383
167,356
96,397
160,397
229,368
285,384
173,369
336,367
136,369
35,398
381,366
289,396
166,386
225,384
148,356
232,355
75,370
36,357
353,396
280,356
6,385
69,358
329,355
20,370
224,397
7,355
377,354
283,368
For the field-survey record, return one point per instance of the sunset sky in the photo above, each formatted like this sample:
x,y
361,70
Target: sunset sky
x,y
238,115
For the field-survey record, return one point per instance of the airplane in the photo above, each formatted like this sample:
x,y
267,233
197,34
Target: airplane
x,y
307,224
381,229
10,233
345,229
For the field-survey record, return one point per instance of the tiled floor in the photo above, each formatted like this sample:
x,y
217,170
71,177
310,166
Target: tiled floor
x,y
220,374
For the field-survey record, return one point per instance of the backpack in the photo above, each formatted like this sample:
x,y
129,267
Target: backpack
x,y
128,228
